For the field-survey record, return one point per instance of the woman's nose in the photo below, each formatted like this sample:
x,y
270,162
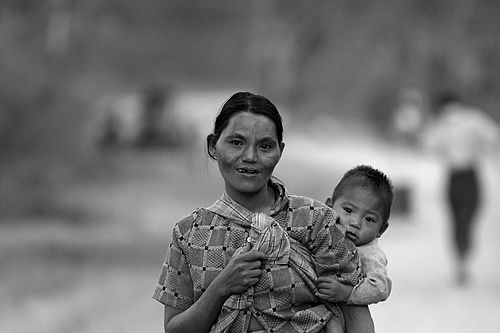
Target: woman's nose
x,y
249,154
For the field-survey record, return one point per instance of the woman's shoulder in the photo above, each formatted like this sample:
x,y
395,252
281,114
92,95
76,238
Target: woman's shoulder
x,y
199,216
304,208
299,201
294,201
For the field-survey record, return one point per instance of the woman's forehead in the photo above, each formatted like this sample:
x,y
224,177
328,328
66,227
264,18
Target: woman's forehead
x,y
246,123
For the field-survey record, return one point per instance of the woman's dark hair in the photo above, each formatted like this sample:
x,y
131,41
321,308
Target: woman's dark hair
x,y
376,180
246,102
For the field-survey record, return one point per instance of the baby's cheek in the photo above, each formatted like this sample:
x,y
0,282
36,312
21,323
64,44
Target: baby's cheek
x,y
342,221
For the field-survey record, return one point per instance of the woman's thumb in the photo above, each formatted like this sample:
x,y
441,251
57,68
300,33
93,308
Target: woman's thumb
x,y
247,247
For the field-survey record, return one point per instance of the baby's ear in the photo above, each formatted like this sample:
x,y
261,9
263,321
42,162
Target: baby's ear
x,y
329,202
383,229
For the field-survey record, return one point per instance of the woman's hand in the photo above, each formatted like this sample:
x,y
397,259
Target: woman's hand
x,y
332,291
242,271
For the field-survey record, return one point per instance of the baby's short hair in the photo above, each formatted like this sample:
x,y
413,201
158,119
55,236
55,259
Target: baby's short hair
x,y
376,180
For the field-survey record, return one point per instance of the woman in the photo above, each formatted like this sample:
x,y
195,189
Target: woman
x,y
212,281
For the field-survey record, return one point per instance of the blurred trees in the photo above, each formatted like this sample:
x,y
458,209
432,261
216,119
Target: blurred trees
x,y
352,58
346,58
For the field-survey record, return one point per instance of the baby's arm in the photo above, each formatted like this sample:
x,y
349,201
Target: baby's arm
x,y
332,291
376,285
373,288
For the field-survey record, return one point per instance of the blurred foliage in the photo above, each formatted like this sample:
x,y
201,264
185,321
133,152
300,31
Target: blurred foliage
x,y
347,58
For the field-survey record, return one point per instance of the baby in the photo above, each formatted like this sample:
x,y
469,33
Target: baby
x,y
363,200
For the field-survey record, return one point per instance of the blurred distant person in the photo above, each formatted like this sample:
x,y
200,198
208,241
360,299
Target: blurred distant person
x,y
116,121
461,136
409,116
154,129
223,275
363,200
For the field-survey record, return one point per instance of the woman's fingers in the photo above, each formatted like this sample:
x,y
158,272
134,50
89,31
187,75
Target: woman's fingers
x,y
253,281
250,260
247,248
254,273
244,270
247,262
254,255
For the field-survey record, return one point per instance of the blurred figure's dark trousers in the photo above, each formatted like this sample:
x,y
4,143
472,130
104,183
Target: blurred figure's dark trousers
x,y
464,196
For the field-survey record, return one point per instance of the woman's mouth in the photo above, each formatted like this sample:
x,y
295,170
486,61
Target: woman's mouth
x,y
247,171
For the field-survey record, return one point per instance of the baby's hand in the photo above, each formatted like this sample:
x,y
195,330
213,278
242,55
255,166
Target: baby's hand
x,y
332,291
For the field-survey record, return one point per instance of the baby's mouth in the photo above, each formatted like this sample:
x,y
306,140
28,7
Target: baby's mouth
x,y
351,235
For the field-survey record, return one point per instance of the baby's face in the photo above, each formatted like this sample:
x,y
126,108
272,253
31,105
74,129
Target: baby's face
x,y
360,212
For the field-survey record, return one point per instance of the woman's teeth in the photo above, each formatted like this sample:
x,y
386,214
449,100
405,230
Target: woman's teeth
x,y
247,171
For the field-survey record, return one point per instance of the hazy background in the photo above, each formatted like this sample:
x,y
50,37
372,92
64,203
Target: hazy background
x,y
87,202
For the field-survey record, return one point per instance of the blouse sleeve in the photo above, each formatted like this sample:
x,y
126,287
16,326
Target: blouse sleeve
x,y
175,286
334,255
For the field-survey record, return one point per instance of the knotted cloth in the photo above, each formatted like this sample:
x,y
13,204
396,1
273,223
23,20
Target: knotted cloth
x,y
268,236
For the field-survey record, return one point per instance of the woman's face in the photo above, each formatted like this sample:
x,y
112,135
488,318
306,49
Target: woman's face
x,y
247,152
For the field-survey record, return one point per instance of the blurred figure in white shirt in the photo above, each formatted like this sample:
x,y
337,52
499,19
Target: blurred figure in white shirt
x,y
461,136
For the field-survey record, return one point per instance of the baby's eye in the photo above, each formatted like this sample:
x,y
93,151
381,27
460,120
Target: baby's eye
x,y
371,220
347,210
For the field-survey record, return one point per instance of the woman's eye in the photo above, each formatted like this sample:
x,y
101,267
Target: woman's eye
x,y
235,142
265,146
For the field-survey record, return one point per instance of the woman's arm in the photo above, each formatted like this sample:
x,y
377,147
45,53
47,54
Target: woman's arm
x,y
199,317
241,272
357,318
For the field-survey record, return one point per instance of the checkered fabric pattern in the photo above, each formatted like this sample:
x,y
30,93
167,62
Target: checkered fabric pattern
x,y
268,237
283,299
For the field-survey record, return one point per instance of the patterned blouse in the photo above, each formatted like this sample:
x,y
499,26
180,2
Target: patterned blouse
x,y
283,299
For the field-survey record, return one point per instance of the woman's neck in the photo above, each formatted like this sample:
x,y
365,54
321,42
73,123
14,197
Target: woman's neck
x,y
258,202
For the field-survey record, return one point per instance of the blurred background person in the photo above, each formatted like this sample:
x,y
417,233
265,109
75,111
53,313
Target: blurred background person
x,y
410,116
461,136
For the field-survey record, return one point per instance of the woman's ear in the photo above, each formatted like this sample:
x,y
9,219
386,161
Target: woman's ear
x,y
211,141
282,147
